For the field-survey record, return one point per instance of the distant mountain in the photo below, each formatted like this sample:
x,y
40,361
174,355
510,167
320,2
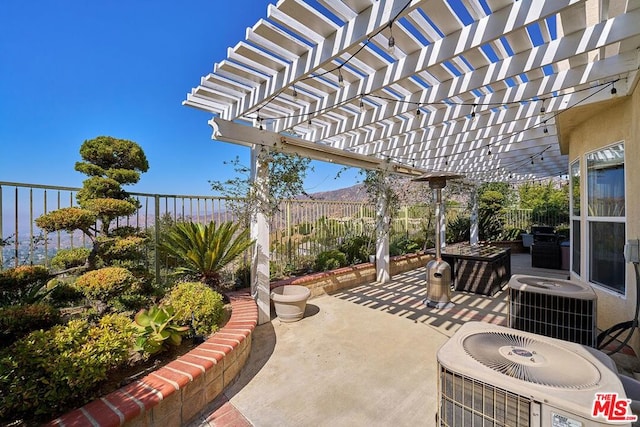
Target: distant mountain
x,y
355,193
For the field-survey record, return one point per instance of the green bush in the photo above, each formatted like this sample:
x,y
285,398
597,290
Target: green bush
x,y
458,229
17,321
23,284
106,283
121,248
330,260
51,371
69,219
357,249
401,245
63,293
243,276
197,305
69,258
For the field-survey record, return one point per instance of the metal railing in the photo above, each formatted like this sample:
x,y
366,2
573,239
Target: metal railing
x,y
299,231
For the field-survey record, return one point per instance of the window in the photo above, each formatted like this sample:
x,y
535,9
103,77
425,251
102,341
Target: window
x,y
606,217
575,216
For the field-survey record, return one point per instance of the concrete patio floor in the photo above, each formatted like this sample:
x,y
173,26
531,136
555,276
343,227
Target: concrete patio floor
x,y
365,356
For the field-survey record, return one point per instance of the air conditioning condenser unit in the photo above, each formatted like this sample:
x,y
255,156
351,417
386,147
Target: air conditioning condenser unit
x,y
490,375
556,308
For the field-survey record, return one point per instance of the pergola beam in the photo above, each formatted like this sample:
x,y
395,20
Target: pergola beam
x,y
224,130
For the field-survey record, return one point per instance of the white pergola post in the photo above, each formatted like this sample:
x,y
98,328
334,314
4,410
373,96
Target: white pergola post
x,y
441,216
382,237
259,229
473,232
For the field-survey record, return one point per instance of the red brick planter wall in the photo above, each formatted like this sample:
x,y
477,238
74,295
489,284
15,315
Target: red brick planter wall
x,y
346,277
177,392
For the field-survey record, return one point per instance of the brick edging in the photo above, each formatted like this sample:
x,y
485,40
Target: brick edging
x,y
180,390
326,282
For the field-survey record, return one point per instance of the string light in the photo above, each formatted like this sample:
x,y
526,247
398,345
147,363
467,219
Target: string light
x,y
473,113
340,78
295,92
362,109
542,109
614,91
418,112
392,41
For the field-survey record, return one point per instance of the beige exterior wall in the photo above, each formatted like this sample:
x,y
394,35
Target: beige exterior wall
x,y
588,129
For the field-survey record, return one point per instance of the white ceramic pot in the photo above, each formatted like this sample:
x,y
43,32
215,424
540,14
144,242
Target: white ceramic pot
x,y
290,302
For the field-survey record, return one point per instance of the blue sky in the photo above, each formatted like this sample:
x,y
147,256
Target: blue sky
x,y
72,70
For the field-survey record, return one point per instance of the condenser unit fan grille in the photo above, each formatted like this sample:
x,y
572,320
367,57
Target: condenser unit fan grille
x,y
555,316
468,402
528,359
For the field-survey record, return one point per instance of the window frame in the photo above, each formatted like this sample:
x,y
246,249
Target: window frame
x,y
586,220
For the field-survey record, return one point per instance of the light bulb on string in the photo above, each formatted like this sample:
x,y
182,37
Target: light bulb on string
x,y
614,91
542,109
362,108
391,44
340,78
473,113
295,92
259,119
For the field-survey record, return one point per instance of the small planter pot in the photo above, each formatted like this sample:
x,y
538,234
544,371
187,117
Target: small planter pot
x,y
290,302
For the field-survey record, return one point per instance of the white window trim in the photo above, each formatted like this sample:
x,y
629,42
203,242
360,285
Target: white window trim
x,y
586,219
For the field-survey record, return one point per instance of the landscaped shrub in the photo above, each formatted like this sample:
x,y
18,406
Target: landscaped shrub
x,y
63,294
197,305
68,219
51,371
357,249
401,245
69,258
330,260
458,229
243,276
121,248
105,283
17,321
23,284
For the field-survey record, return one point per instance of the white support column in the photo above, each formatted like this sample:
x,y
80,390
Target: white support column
x,y
473,232
382,237
260,234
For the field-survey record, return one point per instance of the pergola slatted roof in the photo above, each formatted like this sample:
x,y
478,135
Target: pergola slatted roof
x,y
461,90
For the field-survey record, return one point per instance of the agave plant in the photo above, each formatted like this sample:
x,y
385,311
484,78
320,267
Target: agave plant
x,y
205,249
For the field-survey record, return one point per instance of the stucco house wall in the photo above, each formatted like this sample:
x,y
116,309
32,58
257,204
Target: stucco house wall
x,y
583,130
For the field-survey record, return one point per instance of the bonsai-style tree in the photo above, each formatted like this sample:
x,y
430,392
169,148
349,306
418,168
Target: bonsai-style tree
x,y
110,163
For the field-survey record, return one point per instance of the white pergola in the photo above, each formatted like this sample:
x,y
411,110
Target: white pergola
x,y
469,87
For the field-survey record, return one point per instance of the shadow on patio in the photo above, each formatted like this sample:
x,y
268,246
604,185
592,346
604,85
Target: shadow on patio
x,y
361,356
